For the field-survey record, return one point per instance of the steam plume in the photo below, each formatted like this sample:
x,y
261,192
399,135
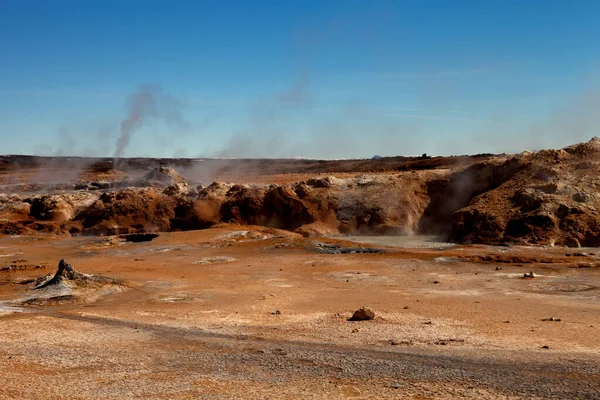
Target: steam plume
x,y
146,104
297,95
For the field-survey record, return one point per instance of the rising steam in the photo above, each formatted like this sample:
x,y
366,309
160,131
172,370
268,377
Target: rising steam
x,y
148,103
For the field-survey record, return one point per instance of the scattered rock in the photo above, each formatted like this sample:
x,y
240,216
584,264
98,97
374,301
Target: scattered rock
x,y
552,319
276,312
363,314
325,248
528,275
19,266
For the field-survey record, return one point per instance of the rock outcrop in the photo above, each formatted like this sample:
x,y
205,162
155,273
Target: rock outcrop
x,y
362,314
550,197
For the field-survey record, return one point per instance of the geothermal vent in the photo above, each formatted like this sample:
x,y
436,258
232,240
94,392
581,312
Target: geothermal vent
x,y
68,275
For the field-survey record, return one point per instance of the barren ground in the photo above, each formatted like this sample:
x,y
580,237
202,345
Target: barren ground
x,y
240,311
196,318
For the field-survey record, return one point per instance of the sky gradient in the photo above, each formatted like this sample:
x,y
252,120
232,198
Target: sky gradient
x,y
323,79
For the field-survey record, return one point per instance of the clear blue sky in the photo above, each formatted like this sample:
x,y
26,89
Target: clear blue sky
x,y
288,78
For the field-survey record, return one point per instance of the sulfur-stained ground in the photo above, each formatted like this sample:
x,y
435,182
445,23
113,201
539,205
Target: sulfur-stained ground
x,y
253,313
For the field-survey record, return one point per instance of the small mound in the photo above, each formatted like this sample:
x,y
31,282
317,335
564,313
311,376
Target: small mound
x,y
362,314
68,285
327,182
67,274
165,176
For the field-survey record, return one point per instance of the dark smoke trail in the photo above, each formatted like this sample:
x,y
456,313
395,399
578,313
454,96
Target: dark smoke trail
x,y
141,106
149,102
297,95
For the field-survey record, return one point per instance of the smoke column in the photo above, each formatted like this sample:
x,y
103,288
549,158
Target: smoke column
x,y
146,104
142,105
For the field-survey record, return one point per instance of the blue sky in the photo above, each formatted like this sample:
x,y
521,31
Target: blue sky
x,y
325,79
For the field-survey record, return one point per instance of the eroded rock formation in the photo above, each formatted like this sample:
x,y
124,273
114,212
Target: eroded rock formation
x,y
548,197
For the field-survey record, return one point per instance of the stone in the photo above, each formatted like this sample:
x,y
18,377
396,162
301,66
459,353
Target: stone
x,y
583,197
363,314
176,188
552,319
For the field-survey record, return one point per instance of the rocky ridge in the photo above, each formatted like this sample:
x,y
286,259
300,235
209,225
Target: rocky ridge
x,y
550,197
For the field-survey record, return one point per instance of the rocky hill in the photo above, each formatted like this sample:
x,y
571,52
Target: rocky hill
x,y
549,197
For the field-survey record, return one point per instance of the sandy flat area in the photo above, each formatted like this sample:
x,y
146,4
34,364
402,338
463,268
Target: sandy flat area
x,y
248,312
